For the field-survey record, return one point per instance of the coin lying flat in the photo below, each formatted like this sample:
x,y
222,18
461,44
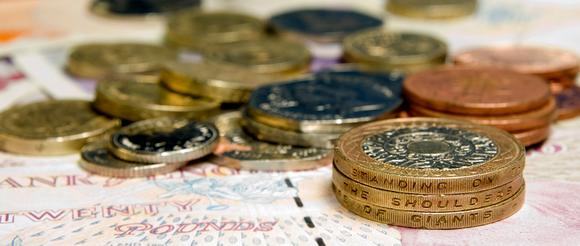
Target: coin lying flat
x,y
568,103
429,156
244,152
262,56
51,127
96,61
542,61
476,91
229,84
433,220
422,202
96,158
139,101
432,9
513,122
198,30
164,140
323,25
276,135
399,51
329,102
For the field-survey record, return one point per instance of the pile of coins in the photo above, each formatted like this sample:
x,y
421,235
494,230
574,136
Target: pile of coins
x,y
313,111
149,147
429,173
559,68
518,103
394,51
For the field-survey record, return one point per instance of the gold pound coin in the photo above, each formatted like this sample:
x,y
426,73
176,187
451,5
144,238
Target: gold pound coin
x,y
96,158
51,127
427,203
164,140
139,101
432,9
262,56
394,51
241,151
199,31
228,84
433,220
429,156
97,61
276,135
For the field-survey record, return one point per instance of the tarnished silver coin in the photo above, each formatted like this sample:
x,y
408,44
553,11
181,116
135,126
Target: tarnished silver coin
x,y
238,149
164,140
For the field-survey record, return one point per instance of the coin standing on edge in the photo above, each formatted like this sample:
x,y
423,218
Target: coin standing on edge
x,y
394,51
139,101
51,127
329,102
322,25
97,61
96,158
244,152
164,140
429,156
432,9
476,91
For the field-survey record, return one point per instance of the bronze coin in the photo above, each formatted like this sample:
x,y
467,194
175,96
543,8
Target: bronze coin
x,y
568,102
512,122
476,91
531,137
543,61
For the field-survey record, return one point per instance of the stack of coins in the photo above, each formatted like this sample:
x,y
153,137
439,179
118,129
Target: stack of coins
x,y
241,151
149,147
394,51
519,103
51,127
558,67
199,31
429,173
312,112
130,60
432,9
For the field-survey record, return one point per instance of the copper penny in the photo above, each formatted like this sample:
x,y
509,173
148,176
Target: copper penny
x,y
513,122
543,61
476,91
568,102
534,136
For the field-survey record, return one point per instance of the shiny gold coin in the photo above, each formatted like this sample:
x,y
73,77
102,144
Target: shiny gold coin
x,y
239,150
262,56
139,101
429,156
427,203
276,135
534,136
198,30
164,140
229,84
513,122
96,158
432,9
51,127
398,51
97,61
433,220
